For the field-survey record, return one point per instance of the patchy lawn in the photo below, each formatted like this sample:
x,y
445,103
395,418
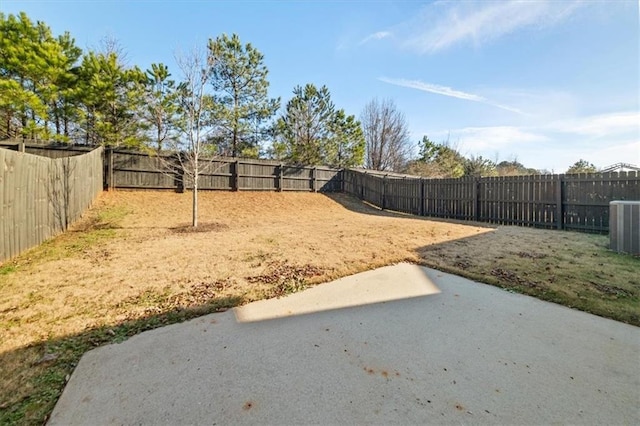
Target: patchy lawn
x,y
133,264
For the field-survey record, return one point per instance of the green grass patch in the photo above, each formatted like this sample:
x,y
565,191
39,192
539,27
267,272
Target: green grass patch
x,y
7,269
569,268
99,226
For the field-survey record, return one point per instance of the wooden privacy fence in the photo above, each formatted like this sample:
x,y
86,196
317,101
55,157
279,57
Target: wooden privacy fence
x,y
40,197
577,202
131,170
45,150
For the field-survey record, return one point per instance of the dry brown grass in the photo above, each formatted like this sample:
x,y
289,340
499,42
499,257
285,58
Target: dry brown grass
x,y
245,234
132,264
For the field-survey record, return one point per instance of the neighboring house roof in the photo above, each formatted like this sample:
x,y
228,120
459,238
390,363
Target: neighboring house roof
x,y
621,167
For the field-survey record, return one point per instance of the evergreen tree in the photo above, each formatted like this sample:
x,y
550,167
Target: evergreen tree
x,y
111,96
582,166
514,168
239,80
437,161
479,166
25,53
312,132
64,107
160,113
346,146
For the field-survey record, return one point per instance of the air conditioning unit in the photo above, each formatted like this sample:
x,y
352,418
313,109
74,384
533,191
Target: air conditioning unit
x,y
624,226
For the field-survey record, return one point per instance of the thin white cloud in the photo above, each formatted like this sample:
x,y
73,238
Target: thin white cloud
x,y
432,88
442,25
375,36
600,125
601,139
493,137
446,91
620,152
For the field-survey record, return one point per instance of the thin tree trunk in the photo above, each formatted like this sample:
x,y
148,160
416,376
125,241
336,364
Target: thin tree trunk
x,y
194,221
159,139
23,114
235,125
33,119
9,117
56,117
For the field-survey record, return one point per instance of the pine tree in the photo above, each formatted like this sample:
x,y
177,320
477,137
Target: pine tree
x,y
311,131
24,51
111,96
63,107
160,113
239,80
582,166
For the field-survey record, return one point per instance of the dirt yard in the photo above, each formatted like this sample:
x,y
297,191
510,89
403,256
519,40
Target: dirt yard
x,y
133,263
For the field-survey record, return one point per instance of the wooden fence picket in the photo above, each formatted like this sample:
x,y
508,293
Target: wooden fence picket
x,y
575,202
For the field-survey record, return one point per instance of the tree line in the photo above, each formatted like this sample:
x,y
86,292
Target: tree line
x,y
52,90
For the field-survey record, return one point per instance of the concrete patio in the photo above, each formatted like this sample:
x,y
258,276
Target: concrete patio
x,y
398,345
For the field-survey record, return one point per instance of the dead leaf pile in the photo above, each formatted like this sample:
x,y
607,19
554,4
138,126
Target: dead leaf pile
x,y
531,255
612,290
513,278
284,278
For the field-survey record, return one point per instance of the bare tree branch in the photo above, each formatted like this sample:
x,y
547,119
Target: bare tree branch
x,y
386,133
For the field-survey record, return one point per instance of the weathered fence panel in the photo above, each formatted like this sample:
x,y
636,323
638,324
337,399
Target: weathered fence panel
x,y
132,170
215,175
449,198
328,179
518,200
257,176
576,202
40,197
136,170
402,194
586,198
49,150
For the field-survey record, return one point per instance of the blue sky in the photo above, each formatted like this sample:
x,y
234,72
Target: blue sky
x,y
543,82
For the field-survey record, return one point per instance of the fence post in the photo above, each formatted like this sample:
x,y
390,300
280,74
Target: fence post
x,y
179,175
476,198
559,202
236,180
421,196
108,176
105,162
280,176
384,192
314,178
